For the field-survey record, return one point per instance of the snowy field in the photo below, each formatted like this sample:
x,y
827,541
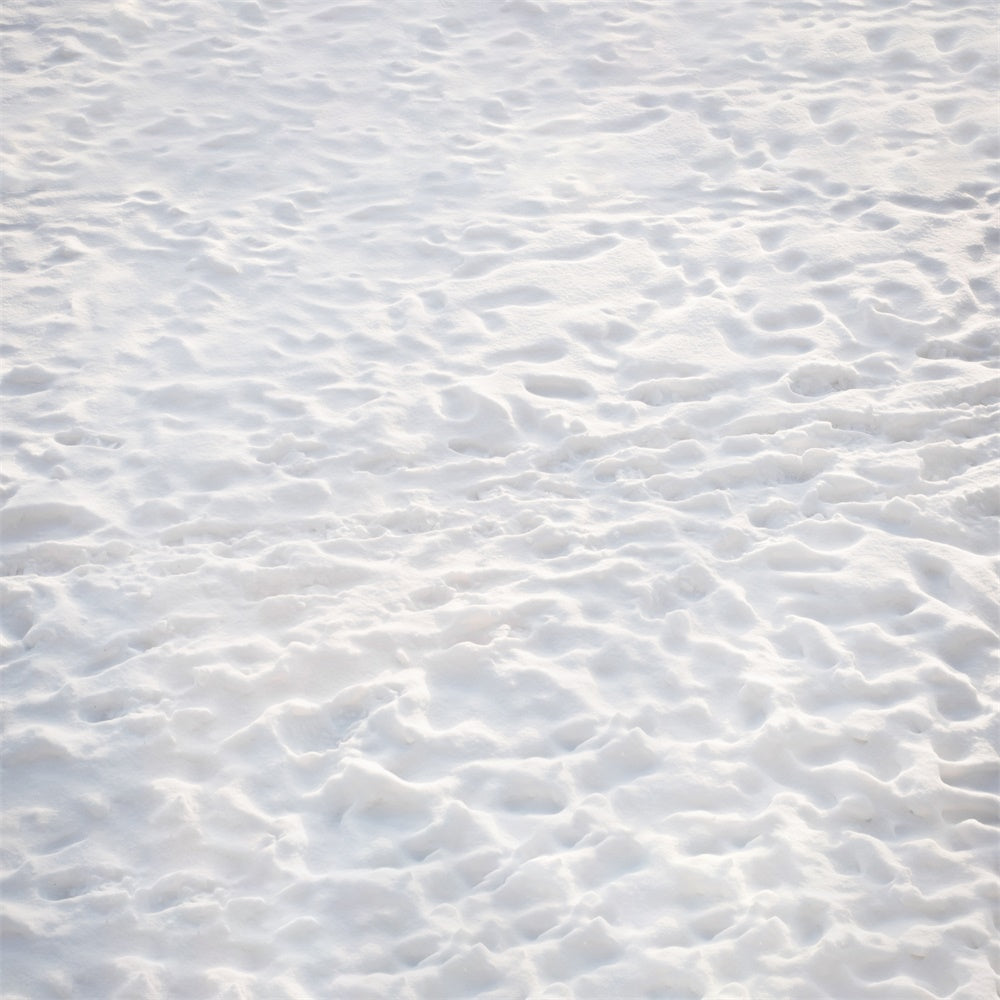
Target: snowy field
x,y
500,500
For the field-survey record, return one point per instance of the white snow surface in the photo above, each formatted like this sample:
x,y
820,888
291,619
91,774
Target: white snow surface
x,y
500,499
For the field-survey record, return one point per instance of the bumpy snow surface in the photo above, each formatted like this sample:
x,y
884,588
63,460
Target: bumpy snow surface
x,y
500,499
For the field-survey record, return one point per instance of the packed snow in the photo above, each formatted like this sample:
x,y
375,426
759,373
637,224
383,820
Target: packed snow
x,y
500,500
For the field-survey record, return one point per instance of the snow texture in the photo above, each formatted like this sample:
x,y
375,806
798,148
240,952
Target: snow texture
x,y
500,499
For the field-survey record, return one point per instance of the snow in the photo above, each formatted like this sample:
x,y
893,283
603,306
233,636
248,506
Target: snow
x,y
500,500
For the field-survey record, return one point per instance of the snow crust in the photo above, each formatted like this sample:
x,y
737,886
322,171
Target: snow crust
x,y
500,499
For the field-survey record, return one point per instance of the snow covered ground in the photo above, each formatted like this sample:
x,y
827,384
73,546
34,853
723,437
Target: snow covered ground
x,y
500,499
